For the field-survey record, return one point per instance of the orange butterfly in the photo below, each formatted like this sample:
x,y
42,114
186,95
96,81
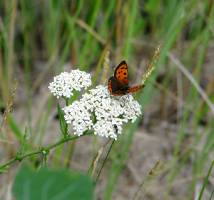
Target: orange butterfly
x,y
118,84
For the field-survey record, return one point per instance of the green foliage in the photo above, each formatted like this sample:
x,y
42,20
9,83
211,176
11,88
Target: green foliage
x,y
206,179
47,184
15,128
63,125
49,32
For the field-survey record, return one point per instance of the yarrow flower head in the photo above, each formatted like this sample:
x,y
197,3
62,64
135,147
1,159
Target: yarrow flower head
x,y
64,84
97,110
79,116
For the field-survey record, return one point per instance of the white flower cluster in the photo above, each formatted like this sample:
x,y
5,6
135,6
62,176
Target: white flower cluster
x,y
99,111
79,116
64,84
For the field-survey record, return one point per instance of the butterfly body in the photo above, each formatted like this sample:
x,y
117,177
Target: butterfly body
x,y
118,84
115,87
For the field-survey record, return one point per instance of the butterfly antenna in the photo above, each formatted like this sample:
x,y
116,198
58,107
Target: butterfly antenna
x,y
152,64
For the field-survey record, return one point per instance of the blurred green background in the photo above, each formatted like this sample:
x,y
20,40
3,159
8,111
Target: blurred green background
x,y
167,153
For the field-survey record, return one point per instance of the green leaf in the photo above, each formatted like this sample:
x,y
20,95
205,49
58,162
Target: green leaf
x,y
63,124
15,128
21,136
48,184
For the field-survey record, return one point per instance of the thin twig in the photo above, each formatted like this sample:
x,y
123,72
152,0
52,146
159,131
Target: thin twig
x,y
42,150
85,26
185,72
106,66
96,158
193,81
98,175
95,161
11,35
151,65
153,172
8,110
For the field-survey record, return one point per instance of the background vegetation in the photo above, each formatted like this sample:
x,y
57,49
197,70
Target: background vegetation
x,y
168,153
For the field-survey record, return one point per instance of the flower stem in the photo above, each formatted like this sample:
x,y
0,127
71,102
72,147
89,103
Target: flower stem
x,y
39,151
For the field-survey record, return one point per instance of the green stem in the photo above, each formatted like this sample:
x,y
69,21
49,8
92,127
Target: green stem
x,y
206,179
40,151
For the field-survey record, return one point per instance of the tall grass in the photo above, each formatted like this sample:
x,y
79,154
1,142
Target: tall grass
x,y
37,38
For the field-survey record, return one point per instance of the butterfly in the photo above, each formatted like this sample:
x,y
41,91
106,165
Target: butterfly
x,y
118,84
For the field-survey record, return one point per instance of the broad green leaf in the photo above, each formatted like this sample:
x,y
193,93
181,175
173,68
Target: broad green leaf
x,y
46,184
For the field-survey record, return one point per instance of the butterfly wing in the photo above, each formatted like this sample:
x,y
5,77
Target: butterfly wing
x,y
116,88
118,84
135,88
121,73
